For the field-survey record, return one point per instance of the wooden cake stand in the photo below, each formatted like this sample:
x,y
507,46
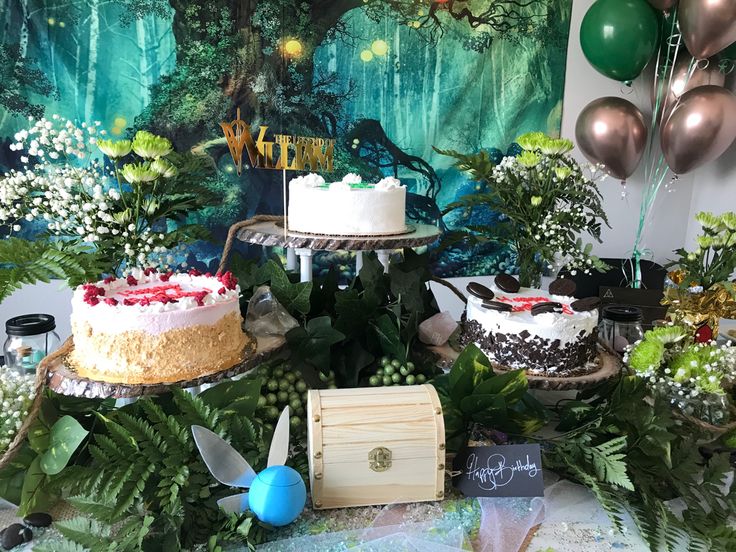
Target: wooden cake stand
x,y
62,378
271,233
609,366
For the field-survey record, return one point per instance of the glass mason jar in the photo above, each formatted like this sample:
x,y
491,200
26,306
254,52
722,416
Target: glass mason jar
x,y
620,326
30,338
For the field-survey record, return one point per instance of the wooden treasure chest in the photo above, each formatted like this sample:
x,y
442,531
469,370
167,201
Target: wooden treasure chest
x,y
375,445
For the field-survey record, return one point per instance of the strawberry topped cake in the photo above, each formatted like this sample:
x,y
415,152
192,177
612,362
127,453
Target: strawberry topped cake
x,y
547,333
153,327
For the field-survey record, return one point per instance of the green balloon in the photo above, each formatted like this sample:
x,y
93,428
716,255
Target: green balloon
x,y
729,53
619,37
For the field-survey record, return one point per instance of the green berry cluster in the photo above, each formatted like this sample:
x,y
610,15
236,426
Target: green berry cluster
x,y
284,387
393,372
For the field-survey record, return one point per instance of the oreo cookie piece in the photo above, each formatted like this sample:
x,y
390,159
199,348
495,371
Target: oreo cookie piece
x,y
547,306
562,286
480,291
507,283
497,306
585,304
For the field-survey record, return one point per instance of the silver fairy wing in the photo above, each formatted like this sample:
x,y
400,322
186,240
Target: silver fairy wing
x,y
279,451
234,504
224,462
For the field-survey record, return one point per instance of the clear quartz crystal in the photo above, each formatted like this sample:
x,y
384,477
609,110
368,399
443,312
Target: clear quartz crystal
x,y
437,329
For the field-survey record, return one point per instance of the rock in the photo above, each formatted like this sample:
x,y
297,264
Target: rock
x,y
16,534
266,316
38,519
437,329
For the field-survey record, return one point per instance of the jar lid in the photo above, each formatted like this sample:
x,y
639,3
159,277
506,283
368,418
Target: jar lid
x,y
622,313
30,324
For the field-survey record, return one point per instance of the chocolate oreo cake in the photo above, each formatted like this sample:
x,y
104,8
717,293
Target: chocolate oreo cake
x,y
544,333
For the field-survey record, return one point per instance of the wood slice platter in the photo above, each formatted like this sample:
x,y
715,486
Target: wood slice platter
x,y
62,378
609,366
269,233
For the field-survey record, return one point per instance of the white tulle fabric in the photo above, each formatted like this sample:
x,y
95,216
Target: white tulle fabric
x,y
505,523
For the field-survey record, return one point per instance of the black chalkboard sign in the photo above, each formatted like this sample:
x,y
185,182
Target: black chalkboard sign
x,y
501,470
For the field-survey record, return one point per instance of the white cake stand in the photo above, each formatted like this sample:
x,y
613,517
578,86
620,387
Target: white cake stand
x,y
271,233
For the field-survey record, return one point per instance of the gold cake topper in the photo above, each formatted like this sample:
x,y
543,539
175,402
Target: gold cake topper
x,y
294,153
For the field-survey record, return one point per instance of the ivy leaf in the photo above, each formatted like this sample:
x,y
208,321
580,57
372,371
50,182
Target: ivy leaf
x,y
294,297
66,435
389,338
511,385
408,287
324,293
239,396
372,276
311,344
354,311
470,369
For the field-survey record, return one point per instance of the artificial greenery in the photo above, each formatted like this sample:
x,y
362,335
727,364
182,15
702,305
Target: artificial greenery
x,y
714,260
471,393
624,444
27,262
138,480
347,331
544,201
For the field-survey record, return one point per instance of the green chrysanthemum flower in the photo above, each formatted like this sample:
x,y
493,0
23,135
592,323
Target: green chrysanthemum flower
x,y
536,201
645,355
164,168
562,172
149,146
729,220
552,146
666,334
709,220
136,173
114,149
531,141
528,159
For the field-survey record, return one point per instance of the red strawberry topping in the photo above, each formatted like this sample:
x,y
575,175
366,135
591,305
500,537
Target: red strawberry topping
x,y
194,272
228,280
111,301
222,291
109,280
131,280
165,277
148,271
129,302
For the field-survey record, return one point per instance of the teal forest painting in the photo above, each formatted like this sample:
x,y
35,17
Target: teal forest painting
x,y
388,80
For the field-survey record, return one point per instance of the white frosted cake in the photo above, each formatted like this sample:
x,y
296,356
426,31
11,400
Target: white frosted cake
x,y
348,207
156,327
542,332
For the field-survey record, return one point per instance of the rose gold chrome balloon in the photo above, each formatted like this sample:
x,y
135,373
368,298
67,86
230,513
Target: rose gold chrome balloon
x,y
663,5
611,131
700,128
707,26
680,83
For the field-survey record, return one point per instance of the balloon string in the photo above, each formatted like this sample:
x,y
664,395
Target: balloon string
x,y
653,173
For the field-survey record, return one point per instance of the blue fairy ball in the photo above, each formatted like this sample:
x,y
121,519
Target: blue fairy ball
x,y
514,150
496,155
277,495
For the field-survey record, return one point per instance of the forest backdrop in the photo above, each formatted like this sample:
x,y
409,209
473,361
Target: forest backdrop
x,y
388,79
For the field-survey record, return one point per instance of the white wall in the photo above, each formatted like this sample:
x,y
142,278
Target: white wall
x,y
671,225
